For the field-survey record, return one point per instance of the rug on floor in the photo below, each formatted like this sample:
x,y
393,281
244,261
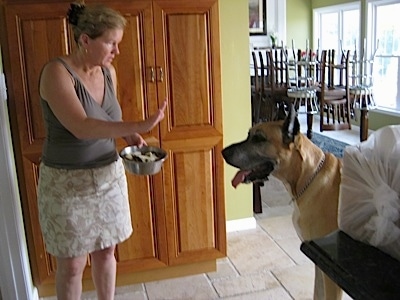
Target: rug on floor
x,y
329,145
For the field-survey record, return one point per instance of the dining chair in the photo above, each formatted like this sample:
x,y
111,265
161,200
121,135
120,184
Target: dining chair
x,y
361,87
302,89
256,96
334,94
277,80
270,102
273,83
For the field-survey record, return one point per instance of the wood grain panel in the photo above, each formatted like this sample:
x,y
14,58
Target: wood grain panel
x,y
189,87
195,210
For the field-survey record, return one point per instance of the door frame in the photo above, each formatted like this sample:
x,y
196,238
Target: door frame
x,y
15,272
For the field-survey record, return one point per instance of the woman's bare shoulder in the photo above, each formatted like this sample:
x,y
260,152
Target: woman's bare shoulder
x,y
54,66
113,73
54,76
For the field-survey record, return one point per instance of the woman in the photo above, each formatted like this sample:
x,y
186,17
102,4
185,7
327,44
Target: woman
x,y
82,193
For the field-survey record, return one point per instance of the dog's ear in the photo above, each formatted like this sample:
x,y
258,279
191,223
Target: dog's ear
x,y
281,114
291,126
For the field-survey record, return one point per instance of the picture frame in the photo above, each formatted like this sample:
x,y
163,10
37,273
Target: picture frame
x,y
257,17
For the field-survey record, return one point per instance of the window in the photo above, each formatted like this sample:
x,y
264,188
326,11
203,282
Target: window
x,y
384,33
337,27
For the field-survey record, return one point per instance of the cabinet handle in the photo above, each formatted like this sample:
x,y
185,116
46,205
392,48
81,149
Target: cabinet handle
x,y
152,75
161,74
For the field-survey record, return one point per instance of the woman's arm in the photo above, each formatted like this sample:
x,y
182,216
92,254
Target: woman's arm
x,y
57,88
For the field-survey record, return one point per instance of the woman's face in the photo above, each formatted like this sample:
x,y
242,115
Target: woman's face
x,y
102,50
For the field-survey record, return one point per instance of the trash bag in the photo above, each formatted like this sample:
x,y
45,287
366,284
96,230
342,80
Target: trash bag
x,y
369,203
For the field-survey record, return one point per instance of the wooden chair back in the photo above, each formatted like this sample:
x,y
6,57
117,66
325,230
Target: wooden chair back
x,y
277,59
334,96
256,94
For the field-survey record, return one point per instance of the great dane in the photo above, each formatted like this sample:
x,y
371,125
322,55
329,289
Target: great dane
x,y
311,177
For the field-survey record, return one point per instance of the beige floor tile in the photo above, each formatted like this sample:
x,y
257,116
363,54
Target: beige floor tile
x,y
225,269
132,296
245,284
297,280
278,228
274,211
274,193
273,294
89,295
291,246
131,292
185,288
254,251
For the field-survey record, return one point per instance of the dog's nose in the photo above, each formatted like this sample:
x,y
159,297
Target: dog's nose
x,y
226,153
231,156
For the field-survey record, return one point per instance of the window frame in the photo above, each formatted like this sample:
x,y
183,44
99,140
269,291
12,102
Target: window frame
x,y
371,32
337,8
367,32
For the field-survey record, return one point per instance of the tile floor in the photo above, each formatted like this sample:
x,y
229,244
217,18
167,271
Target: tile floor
x,y
262,263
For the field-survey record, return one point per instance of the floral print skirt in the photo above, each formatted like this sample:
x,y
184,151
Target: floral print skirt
x,y
83,210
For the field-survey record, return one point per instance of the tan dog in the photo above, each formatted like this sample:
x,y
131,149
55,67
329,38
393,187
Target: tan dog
x,y
311,177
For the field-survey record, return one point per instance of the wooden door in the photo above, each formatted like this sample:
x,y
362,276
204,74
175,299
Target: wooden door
x,y
35,33
147,247
188,64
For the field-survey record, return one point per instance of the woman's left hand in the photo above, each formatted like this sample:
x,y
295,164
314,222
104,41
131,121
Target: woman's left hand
x,y
135,140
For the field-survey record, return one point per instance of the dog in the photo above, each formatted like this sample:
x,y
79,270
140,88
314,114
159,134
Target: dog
x,y
311,177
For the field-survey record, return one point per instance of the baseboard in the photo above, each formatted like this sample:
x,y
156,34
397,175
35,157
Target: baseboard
x,y
241,224
35,294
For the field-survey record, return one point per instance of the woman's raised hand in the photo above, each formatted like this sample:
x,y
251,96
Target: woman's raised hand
x,y
155,118
145,126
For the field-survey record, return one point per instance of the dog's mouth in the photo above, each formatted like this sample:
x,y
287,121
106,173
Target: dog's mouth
x,y
258,174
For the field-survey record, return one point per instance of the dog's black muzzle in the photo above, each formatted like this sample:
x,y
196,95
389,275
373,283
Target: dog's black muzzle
x,y
240,156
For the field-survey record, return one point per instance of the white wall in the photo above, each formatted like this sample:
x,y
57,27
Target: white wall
x,y
276,22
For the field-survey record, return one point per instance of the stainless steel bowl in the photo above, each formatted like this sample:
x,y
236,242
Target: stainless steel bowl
x,y
143,168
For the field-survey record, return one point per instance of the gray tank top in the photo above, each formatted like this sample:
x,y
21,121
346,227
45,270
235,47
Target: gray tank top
x,y
62,149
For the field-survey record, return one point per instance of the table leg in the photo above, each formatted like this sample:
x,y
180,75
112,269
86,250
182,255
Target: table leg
x,y
364,125
257,203
310,117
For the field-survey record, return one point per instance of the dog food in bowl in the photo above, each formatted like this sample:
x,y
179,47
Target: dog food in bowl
x,y
139,157
146,160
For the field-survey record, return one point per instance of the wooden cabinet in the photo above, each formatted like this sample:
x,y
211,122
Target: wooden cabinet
x,y
170,50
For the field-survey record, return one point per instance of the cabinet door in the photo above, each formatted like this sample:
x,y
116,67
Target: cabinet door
x,y
188,74
35,34
137,93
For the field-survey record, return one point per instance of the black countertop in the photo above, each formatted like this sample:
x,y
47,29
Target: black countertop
x,y
361,270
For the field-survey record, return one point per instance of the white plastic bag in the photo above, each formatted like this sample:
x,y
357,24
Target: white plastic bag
x,y
369,203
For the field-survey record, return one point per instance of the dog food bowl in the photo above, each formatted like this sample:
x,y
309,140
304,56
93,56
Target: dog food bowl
x,y
133,163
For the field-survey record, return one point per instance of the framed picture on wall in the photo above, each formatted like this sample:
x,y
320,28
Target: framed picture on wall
x,y
257,17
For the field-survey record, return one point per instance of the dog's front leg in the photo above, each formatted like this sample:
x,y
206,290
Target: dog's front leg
x,y
325,288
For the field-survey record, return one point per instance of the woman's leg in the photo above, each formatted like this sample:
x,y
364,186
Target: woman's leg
x,y
104,268
69,277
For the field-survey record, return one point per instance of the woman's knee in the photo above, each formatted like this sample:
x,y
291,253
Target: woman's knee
x,y
104,254
71,266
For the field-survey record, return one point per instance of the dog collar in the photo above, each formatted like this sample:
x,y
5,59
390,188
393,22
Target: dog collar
x,y
321,163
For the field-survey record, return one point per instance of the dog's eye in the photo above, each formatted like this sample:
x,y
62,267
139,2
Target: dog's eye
x,y
258,138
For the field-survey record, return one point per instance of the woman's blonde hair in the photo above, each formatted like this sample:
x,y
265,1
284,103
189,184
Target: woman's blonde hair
x,y
93,20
